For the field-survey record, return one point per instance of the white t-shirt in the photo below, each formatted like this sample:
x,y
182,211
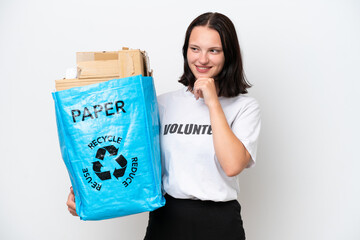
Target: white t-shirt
x,y
190,169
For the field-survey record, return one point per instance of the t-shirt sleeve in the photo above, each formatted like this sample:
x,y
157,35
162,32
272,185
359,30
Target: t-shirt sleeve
x,y
246,128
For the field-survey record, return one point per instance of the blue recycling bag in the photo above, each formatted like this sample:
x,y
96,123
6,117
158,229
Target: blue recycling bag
x,y
109,139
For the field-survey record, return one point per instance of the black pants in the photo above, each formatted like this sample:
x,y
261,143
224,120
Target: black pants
x,y
185,219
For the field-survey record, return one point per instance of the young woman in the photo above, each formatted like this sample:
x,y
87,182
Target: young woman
x,y
209,133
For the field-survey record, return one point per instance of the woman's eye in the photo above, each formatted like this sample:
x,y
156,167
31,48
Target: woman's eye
x,y
214,51
194,49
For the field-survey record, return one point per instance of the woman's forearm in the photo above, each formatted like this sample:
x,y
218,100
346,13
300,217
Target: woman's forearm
x,y
230,152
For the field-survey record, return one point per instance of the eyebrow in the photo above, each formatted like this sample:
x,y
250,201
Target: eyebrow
x,y
193,45
215,47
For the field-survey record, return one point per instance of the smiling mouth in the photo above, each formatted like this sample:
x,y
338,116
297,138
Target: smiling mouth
x,y
202,69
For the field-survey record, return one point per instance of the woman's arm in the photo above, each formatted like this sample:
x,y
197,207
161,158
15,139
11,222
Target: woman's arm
x,y
230,152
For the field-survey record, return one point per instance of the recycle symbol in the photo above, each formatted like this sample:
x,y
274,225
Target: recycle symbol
x,y
106,175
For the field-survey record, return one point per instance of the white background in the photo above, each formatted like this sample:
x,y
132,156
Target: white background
x,y
303,58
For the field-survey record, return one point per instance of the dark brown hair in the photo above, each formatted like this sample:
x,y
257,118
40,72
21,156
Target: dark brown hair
x,y
231,80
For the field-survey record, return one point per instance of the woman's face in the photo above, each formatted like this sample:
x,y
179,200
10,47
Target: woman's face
x,y
205,54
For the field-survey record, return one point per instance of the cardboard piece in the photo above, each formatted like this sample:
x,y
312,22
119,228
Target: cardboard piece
x,y
94,67
64,84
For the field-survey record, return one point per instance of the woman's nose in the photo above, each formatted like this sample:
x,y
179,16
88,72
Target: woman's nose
x,y
203,58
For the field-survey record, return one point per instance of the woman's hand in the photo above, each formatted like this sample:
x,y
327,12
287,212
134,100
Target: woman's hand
x,y
71,202
206,88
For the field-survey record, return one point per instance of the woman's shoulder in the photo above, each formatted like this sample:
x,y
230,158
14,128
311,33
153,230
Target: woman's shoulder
x,y
242,100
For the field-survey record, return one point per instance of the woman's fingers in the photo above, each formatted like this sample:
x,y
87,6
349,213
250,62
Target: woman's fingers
x,y
205,88
71,202
198,93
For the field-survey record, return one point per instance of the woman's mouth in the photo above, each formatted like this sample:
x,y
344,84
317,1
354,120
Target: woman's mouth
x,y
202,69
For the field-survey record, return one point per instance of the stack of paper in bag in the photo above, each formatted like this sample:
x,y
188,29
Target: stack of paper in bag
x,y
95,67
